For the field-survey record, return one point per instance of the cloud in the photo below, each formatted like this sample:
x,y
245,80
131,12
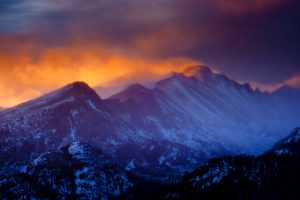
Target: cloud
x,y
100,40
31,71
265,87
154,28
141,28
294,81
245,6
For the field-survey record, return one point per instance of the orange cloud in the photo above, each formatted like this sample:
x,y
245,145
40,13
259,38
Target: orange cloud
x,y
294,81
29,72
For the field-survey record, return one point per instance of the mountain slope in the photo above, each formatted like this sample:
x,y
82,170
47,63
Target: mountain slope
x,y
72,113
75,113
207,112
274,175
75,171
157,133
289,145
186,144
264,177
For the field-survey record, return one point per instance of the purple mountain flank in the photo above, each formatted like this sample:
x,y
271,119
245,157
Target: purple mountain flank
x,y
201,107
182,122
70,114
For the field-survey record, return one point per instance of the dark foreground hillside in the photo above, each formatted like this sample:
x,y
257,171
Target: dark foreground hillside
x,y
266,177
274,175
81,171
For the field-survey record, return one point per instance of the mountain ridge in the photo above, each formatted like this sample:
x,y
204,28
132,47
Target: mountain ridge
x,y
273,175
77,170
179,124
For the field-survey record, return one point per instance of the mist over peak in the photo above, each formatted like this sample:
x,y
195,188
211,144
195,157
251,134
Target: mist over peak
x,y
200,72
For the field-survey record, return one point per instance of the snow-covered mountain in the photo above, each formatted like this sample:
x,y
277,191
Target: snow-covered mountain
x,y
75,113
209,113
267,177
182,122
70,114
273,175
75,171
289,145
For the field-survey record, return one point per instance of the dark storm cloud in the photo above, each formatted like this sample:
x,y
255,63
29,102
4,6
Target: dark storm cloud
x,y
262,46
247,39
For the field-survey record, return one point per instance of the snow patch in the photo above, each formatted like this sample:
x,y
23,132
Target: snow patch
x,y
212,176
73,133
282,152
23,169
161,159
76,149
84,183
74,113
130,165
93,106
38,160
297,136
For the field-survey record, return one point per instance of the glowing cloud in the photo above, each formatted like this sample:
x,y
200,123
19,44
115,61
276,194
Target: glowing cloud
x,y
294,81
46,44
31,75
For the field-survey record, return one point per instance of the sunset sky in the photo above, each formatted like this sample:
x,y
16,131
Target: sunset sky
x,y
46,44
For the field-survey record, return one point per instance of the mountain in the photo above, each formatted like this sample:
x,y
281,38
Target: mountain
x,y
167,141
243,177
290,96
207,112
74,171
75,113
160,133
70,114
69,141
287,92
274,175
289,145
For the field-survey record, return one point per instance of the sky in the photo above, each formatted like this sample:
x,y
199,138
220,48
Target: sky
x,y
46,44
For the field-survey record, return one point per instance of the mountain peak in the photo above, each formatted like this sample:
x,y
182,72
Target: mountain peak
x,y
79,85
136,92
73,89
66,93
201,72
138,87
